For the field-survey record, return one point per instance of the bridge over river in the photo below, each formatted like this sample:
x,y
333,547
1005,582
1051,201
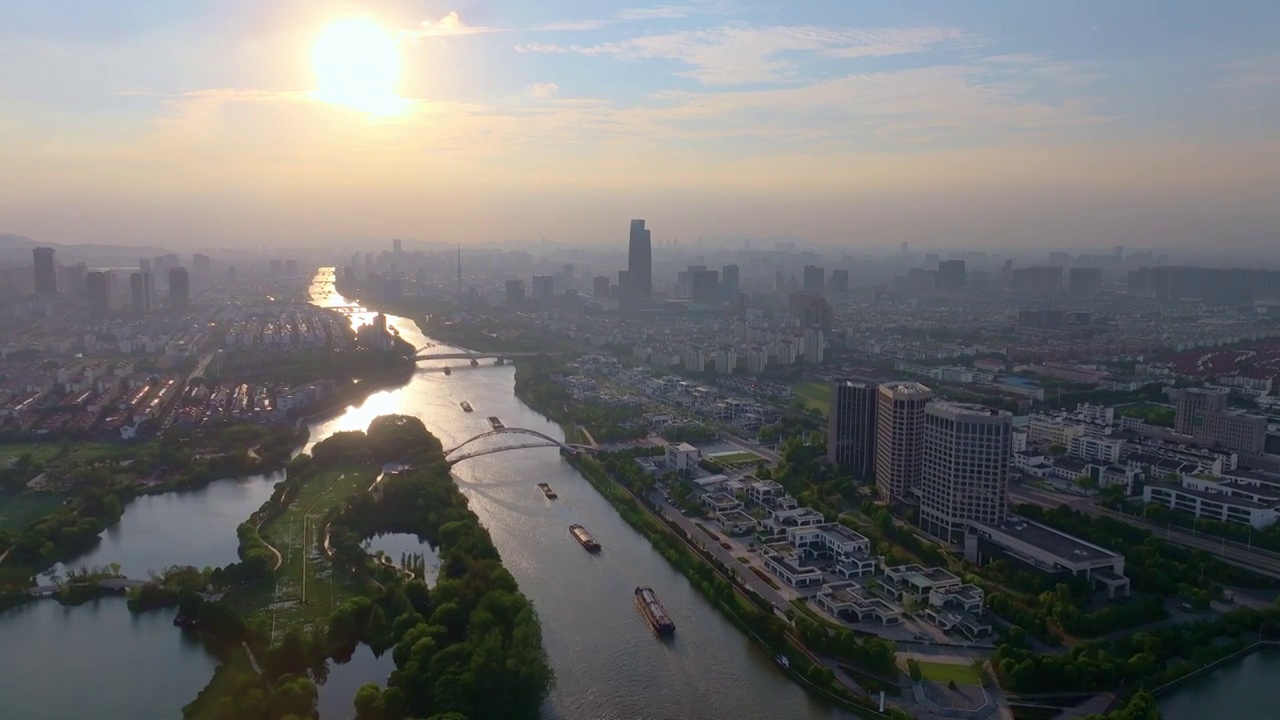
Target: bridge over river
x,y
539,440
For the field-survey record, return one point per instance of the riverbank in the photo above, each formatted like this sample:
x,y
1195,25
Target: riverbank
x,y
740,605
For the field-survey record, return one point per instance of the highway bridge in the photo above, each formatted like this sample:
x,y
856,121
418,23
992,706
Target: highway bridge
x,y
539,440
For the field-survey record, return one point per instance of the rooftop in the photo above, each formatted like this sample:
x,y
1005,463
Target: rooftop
x,y
1221,498
1055,543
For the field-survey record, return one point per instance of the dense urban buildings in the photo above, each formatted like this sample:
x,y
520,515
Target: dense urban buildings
x,y
900,410
851,426
965,468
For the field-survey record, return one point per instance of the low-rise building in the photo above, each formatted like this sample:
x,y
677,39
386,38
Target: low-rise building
x,y
682,457
857,603
916,582
849,551
1218,499
1042,549
784,562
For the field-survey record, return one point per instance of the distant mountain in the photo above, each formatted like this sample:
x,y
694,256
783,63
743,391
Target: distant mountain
x,y
16,250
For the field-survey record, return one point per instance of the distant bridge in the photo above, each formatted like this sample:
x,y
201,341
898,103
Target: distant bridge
x,y
438,352
540,440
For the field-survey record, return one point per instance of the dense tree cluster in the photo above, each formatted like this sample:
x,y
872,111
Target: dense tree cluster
x,y
1154,566
536,385
1149,659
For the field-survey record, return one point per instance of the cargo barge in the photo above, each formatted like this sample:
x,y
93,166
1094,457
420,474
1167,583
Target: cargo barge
x,y
466,406
546,490
653,612
495,423
584,538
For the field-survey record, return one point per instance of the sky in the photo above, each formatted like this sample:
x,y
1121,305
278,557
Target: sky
x,y
854,124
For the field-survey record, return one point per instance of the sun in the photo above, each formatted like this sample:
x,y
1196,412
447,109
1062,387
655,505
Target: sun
x,y
357,65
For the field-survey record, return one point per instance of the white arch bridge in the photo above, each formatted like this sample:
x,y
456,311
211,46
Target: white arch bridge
x,y
539,440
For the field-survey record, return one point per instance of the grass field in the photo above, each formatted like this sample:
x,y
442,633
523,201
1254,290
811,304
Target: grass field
x,y
306,589
946,672
18,510
736,458
815,395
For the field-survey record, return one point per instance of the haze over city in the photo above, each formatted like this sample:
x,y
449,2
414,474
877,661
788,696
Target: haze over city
x,y
851,124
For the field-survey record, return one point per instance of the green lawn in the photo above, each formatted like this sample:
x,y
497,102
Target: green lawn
x,y
946,672
815,395
306,589
18,510
735,458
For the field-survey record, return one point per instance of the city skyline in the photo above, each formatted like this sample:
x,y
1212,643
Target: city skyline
x,y
852,125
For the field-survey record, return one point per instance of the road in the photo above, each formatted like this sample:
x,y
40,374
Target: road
x,y
1261,561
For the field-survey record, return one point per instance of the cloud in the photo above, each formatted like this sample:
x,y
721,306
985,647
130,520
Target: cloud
x,y
543,48
450,25
743,55
653,13
542,91
572,25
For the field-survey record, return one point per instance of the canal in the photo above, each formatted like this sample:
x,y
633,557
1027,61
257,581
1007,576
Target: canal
x,y
57,663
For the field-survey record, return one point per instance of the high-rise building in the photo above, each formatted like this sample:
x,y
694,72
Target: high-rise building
x,y
396,247
600,286
1193,405
815,345
839,284
543,288
179,289
142,292
779,282
275,267
705,285
639,289
515,291
965,470
46,275
144,265
729,282
1084,280
851,426
815,278
624,286
951,275
899,434
99,294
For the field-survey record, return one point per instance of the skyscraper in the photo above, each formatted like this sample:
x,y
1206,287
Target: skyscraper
x,y
99,293
46,276
965,473
705,285
515,291
729,282
179,289
543,288
899,434
639,289
952,275
600,286
814,279
396,247
839,282
851,426
141,287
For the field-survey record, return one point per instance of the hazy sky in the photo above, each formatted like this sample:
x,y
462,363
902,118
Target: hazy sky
x,y
852,123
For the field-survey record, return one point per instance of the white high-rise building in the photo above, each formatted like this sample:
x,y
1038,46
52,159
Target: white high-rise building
x,y
965,473
899,431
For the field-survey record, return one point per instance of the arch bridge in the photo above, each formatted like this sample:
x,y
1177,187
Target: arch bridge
x,y
453,456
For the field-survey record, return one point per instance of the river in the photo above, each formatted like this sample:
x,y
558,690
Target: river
x,y
56,663
1245,689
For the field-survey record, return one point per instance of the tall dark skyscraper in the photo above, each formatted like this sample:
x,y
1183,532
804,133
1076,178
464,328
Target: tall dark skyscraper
x,y
179,289
729,282
704,285
99,293
46,277
396,246
952,275
851,426
139,295
814,279
839,284
515,291
639,289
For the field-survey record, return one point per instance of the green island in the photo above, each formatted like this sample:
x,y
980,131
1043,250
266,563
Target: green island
x,y
469,645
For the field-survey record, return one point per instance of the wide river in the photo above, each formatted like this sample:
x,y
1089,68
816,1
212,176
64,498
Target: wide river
x,y
60,663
